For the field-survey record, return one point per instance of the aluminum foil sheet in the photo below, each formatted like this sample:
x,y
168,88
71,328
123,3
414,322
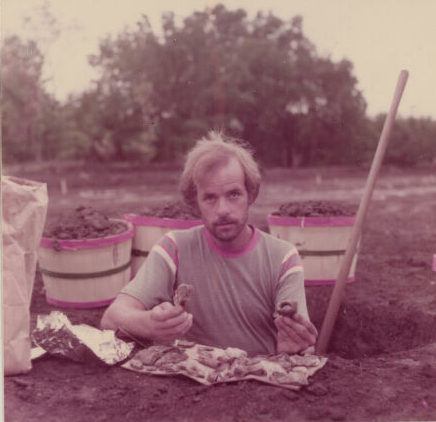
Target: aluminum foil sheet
x,y
56,335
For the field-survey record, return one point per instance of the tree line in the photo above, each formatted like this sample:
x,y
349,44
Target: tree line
x,y
258,79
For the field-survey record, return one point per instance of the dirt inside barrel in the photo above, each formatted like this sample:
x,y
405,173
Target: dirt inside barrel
x,y
177,210
316,209
83,222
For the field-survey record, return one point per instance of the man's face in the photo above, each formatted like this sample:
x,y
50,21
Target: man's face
x,y
223,202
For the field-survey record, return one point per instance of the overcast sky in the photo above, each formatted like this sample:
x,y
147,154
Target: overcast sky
x,y
380,37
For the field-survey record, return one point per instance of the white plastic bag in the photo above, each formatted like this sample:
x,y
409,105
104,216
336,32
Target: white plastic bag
x,y
24,209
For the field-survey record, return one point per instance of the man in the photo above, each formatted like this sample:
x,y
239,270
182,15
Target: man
x,y
239,273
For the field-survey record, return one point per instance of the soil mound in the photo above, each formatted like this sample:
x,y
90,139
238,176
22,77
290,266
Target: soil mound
x,y
316,209
177,210
84,223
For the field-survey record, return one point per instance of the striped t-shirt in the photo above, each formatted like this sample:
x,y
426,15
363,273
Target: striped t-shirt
x,y
235,293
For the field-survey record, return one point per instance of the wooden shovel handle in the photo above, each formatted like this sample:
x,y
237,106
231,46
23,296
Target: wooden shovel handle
x,y
341,281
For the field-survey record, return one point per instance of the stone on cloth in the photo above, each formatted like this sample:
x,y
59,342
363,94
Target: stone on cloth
x,y
210,365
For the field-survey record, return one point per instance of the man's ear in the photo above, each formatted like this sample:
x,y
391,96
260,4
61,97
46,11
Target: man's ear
x,y
195,208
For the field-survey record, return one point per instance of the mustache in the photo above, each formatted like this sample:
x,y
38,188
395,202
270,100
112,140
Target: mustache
x,y
224,221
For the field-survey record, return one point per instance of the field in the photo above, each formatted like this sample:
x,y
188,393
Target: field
x,y
382,356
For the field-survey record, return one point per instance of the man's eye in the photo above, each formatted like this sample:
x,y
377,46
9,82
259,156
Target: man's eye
x,y
209,198
234,194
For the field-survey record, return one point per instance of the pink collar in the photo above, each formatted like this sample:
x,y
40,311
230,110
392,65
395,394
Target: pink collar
x,y
248,247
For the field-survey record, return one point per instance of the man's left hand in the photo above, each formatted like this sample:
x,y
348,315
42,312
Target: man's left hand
x,y
294,334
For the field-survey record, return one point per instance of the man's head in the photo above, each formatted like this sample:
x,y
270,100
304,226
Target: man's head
x,y
220,180
213,151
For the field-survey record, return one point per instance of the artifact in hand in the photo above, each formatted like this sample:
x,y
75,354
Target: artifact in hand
x,y
287,309
182,294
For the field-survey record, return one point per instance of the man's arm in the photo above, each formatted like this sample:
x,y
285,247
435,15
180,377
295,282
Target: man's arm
x,y
137,309
164,321
294,333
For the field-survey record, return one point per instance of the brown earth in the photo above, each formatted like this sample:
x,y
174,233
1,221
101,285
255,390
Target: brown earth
x,y
382,355
316,209
83,223
176,209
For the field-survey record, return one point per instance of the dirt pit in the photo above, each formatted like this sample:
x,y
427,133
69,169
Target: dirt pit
x,y
363,331
381,365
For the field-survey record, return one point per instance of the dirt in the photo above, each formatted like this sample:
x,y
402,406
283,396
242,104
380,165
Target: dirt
x,y
83,223
176,210
381,365
316,209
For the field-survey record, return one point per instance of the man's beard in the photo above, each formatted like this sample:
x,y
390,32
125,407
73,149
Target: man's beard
x,y
224,233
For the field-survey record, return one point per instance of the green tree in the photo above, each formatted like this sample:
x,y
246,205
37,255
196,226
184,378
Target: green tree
x,y
413,140
22,97
34,123
121,105
258,79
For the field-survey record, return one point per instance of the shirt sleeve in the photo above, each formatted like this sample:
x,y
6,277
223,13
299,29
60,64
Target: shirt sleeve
x,y
155,280
290,285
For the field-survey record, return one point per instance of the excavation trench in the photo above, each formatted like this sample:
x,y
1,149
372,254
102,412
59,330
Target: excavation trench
x,y
364,330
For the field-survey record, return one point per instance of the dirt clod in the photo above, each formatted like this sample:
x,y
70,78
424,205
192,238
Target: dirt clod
x,y
23,383
317,389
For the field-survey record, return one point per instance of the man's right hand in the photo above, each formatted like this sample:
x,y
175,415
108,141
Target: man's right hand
x,y
163,322
168,322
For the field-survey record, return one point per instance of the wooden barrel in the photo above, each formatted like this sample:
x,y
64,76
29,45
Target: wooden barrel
x,y
149,230
320,241
86,273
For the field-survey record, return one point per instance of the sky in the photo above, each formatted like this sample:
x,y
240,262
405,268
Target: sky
x,y
380,38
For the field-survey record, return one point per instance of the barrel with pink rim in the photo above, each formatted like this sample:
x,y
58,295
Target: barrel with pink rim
x,y
149,230
321,243
86,273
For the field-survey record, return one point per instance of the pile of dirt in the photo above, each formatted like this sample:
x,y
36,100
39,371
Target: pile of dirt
x,y
84,223
316,209
177,210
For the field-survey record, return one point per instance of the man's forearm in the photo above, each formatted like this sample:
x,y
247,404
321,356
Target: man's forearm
x,y
133,320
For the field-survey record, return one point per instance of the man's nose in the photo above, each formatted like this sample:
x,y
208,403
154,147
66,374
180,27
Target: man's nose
x,y
223,207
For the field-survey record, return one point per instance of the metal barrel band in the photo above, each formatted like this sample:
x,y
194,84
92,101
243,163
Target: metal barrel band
x,y
86,275
138,252
322,253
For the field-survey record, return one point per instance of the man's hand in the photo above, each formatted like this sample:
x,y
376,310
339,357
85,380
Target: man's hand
x,y
164,322
168,322
294,334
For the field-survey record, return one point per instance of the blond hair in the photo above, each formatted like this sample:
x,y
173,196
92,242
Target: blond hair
x,y
211,151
